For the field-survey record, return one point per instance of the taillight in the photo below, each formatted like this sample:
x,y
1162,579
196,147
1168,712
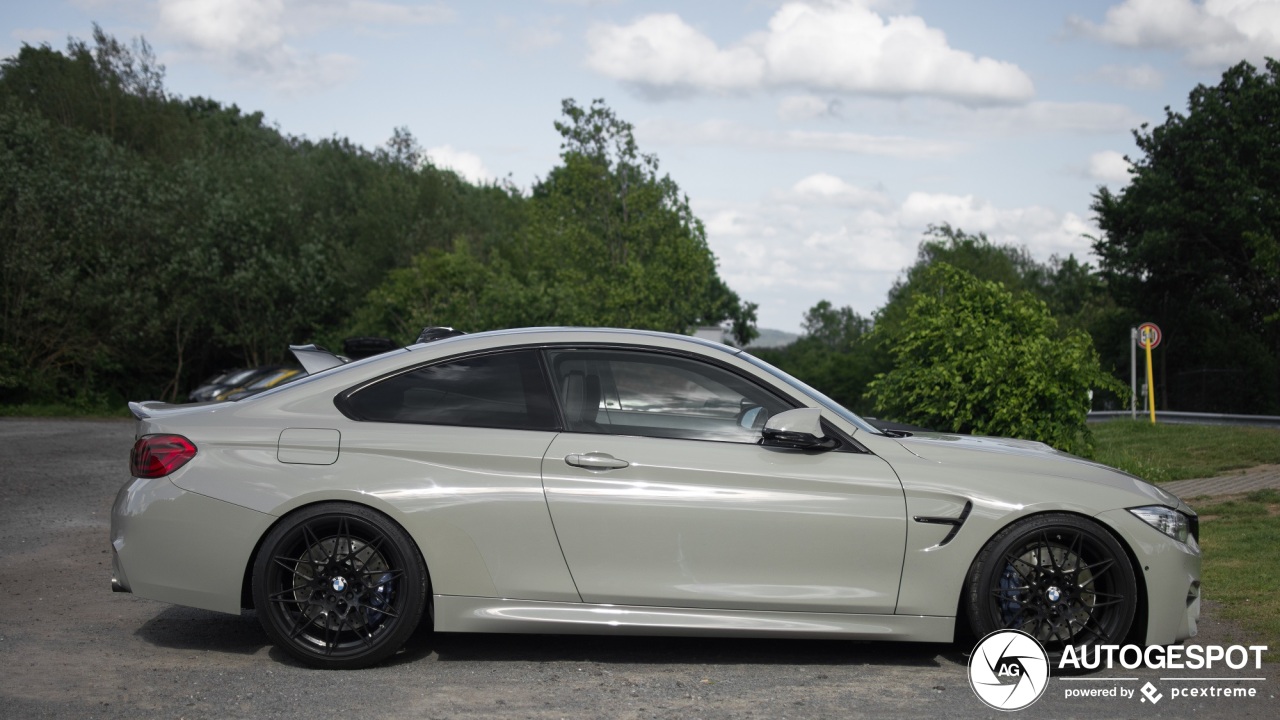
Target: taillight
x,y
155,456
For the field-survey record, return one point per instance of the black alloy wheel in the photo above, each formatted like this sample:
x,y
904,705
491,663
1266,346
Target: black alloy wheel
x,y
1062,579
339,586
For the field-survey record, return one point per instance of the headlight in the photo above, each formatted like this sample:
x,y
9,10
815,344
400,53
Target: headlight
x,y
1166,520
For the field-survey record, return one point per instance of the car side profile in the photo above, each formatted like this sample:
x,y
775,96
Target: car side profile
x,y
562,480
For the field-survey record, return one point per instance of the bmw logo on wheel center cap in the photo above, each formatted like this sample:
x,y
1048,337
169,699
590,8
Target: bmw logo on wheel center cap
x,y
339,584
1054,594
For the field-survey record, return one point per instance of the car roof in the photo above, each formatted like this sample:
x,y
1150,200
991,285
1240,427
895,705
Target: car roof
x,y
537,335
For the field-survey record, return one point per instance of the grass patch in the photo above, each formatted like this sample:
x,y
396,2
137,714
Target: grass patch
x,y
63,410
1242,562
1165,452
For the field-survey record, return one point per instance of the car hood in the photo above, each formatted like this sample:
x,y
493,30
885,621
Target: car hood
x,y
1025,458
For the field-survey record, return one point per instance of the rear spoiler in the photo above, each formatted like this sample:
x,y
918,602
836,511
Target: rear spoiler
x,y
156,408
314,358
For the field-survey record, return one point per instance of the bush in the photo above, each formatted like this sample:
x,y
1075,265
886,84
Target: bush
x,y
972,357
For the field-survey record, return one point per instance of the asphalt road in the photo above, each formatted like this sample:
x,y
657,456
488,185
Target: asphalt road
x,y
69,648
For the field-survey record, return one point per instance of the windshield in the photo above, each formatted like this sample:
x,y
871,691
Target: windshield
x,y
821,399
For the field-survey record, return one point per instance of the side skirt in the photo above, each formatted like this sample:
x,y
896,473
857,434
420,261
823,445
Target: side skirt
x,y
455,613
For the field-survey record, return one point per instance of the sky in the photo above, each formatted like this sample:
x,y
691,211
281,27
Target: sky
x,y
816,139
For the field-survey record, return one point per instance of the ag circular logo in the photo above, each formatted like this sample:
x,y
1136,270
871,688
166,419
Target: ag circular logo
x,y
1009,670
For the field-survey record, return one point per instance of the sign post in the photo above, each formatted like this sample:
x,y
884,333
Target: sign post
x,y
1133,373
1149,336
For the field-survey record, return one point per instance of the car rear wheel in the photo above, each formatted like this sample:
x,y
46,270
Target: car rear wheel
x,y
1062,579
339,586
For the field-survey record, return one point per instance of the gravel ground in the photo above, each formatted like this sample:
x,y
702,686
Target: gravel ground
x,y
70,648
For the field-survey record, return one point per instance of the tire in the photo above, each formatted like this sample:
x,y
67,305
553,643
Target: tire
x,y
1062,579
339,586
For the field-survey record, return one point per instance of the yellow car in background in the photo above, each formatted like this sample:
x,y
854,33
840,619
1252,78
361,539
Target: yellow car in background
x,y
261,384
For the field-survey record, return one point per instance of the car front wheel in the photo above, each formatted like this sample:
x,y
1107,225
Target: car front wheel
x,y
1062,579
339,586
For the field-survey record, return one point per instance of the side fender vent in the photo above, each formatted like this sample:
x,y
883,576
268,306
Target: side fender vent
x,y
954,522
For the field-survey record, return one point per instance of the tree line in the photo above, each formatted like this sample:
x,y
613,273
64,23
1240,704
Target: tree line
x,y
147,240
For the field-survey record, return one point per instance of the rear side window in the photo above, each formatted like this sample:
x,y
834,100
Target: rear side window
x,y
505,390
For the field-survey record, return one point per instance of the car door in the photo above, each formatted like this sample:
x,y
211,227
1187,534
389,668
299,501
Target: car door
x,y
456,447
661,496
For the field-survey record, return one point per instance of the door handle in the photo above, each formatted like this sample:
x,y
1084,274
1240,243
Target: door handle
x,y
595,461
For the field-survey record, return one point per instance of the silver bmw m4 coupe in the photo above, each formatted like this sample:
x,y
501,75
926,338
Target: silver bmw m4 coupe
x,y
561,480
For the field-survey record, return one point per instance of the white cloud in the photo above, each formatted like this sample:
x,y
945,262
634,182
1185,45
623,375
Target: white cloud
x,y
1210,33
662,52
1133,77
466,164
718,132
787,256
825,189
1109,167
257,38
841,46
1042,230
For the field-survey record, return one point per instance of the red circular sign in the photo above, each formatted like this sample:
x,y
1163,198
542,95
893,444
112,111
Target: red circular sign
x,y
1149,335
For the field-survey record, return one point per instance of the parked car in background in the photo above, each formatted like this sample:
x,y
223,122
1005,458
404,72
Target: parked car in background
x,y
262,384
357,348
566,480
233,381
213,384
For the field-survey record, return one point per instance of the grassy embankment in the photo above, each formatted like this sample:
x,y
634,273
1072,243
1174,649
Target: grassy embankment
x,y
1165,452
1239,535
59,410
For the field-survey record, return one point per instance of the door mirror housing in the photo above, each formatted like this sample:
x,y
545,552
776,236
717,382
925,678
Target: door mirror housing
x,y
800,429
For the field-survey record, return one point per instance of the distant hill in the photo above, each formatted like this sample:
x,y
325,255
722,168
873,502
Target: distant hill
x,y
773,338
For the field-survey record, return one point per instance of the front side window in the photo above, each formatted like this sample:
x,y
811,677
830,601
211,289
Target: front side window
x,y
626,392
504,390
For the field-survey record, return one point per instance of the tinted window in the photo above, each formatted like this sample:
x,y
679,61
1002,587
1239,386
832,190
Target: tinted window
x,y
656,395
506,390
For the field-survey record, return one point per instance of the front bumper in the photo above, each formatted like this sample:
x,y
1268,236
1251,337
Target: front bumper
x,y
177,546
1171,573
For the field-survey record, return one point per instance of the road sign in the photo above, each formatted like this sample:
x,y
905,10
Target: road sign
x,y
1149,335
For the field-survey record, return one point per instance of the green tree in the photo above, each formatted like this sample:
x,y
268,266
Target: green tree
x,y
973,357
147,240
1009,265
608,225
606,240
838,355
1191,244
833,355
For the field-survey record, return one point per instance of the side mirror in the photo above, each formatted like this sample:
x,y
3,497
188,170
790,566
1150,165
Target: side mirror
x,y
800,428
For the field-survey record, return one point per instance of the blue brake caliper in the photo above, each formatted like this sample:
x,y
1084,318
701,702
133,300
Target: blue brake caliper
x,y
381,597
1010,608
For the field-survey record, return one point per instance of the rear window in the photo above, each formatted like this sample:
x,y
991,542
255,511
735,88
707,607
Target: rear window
x,y
505,390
